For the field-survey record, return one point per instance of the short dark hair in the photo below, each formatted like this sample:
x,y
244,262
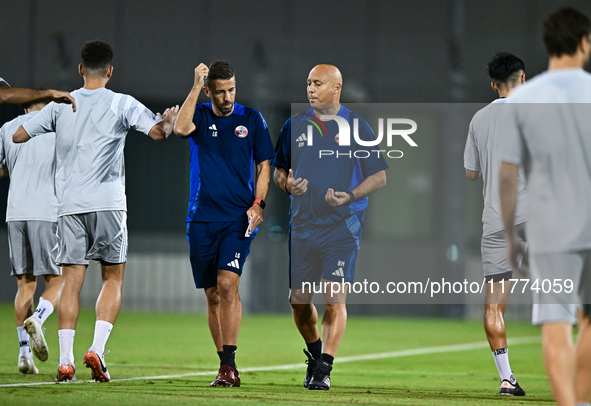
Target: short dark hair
x,y
97,55
505,67
45,101
563,31
219,70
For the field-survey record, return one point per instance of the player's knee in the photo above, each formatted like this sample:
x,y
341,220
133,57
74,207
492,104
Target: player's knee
x,y
227,288
213,297
335,308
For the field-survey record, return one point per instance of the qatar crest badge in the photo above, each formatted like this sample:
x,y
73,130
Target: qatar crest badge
x,y
241,131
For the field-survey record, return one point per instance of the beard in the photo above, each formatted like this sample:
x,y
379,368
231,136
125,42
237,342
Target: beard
x,y
225,109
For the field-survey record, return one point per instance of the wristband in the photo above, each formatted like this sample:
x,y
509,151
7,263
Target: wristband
x,y
351,196
260,202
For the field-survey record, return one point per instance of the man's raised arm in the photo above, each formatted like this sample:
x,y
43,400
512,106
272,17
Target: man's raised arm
x,y
184,123
19,95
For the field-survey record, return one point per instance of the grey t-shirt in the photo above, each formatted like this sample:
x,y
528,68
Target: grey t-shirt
x,y
481,154
31,167
547,130
90,170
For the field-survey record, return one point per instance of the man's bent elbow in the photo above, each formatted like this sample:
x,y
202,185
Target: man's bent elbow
x,y
382,180
178,130
182,130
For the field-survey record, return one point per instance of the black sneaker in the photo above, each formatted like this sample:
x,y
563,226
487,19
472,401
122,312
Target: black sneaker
x,y
311,367
321,377
509,389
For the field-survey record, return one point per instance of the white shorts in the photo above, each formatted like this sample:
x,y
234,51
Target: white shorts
x,y
101,236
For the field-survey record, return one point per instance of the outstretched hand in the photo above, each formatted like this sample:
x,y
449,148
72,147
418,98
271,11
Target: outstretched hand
x,y
62,97
170,113
168,119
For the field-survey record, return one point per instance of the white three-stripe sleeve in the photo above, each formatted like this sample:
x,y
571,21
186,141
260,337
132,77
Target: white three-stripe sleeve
x,y
134,114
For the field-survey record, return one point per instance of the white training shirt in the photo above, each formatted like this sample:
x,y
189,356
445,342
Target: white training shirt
x,y
548,132
90,167
31,167
481,154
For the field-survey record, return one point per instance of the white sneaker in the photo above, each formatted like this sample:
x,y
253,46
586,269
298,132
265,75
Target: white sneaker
x,y
97,365
38,344
27,366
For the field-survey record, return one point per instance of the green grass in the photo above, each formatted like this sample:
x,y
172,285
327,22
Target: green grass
x,y
144,345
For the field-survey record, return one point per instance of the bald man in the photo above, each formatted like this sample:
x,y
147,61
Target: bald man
x,y
329,195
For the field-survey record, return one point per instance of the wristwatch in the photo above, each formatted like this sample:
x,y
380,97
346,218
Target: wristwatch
x,y
261,203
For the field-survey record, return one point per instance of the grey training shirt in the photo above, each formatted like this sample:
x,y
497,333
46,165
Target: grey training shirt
x,y
90,170
481,154
548,132
31,166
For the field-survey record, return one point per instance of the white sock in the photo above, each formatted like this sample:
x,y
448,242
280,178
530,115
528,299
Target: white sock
x,y
66,346
102,330
24,343
501,357
43,311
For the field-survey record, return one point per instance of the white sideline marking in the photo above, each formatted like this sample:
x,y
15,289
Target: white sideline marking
x,y
366,357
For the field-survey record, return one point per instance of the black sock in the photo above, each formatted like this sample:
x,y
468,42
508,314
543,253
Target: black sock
x,y
329,359
315,349
228,355
220,355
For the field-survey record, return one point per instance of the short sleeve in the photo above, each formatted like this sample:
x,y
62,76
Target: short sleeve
x,y
134,114
263,147
200,120
282,157
471,156
510,145
43,122
374,162
2,153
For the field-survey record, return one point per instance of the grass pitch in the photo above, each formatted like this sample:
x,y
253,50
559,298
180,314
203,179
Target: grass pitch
x,y
430,362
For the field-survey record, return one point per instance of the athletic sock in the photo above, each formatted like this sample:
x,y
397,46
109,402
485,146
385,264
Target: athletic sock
x,y
102,330
328,359
66,337
24,343
43,311
315,349
220,353
501,357
229,355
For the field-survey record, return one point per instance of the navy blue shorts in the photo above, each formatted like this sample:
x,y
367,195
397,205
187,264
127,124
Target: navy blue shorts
x,y
327,252
217,246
